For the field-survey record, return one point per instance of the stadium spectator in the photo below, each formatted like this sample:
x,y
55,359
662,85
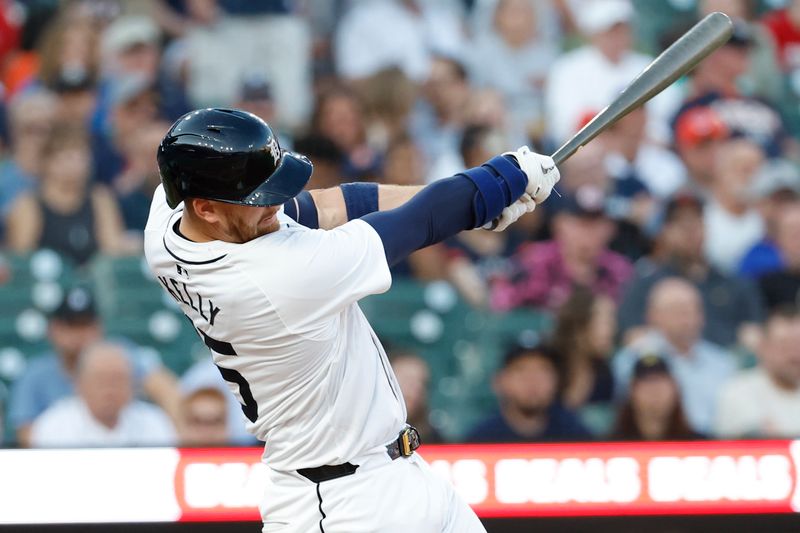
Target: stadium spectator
x,y
380,34
204,418
545,273
732,307
699,133
637,164
69,50
339,116
584,336
439,117
204,374
256,96
134,187
775,186
675,319
714,83
222,42
529,411
513,57
732,224
31,117
103,412
609,61
653,409
67,213
782,287
74,326
133,102
763,77
327,157
413,375
763,402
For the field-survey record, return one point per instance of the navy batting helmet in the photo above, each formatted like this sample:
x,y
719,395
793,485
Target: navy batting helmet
x,y
231,156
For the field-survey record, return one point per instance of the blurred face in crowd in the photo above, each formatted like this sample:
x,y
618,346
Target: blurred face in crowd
x,y
723,68
582,238
129,116
68,167
105,382
788,235
404,165
613,42
340,119
735,165
143,145
31,119
204,419
515,21
78,48
447,88
654,396
732,8
682,236
413,376
202,11
780,351
603,325
528,384
771,207
699,157
70,338
586,167
675,309
141,58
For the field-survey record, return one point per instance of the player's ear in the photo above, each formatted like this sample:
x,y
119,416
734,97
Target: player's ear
x,y
205,210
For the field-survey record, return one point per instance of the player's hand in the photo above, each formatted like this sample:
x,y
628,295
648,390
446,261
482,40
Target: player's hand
x,y
541,171
511,214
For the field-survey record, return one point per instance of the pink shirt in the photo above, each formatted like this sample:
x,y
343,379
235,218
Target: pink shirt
x,y
541,278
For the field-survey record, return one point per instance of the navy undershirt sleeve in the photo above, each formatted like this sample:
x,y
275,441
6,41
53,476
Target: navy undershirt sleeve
x,y
303,210
439,211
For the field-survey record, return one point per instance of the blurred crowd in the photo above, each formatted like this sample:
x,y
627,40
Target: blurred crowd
x,y
669,259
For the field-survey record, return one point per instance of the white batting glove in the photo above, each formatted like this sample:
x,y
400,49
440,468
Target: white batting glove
x,y
511,214
541,171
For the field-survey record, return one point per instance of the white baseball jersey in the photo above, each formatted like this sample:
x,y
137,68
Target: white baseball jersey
x,y
280,316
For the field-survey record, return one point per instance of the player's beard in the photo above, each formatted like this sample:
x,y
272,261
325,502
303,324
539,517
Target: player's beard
x,y
242,230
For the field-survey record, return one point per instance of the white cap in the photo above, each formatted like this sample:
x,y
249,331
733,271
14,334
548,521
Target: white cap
x,y
597,16
128,31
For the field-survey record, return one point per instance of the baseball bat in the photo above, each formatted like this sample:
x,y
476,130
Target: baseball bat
x,y
681,57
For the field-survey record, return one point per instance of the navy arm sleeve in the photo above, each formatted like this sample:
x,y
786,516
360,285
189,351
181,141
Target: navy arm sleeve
x,y
439,211
303,210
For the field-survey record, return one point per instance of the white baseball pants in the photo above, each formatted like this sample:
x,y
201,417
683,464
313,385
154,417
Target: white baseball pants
x,y
382,496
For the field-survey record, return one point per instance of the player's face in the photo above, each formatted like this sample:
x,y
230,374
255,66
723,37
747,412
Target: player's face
x,y
240,223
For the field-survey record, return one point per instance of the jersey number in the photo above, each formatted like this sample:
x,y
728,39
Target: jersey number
x,y
250,407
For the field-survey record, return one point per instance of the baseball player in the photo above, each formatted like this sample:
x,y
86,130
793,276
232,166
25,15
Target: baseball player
x,y
270,276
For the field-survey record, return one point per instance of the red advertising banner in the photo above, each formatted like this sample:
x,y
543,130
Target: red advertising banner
x,y
688,478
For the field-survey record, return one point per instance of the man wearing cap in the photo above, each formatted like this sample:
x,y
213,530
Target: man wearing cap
x,y
715,84
50,377
586,79
527,389
698,134
775,186
546,272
